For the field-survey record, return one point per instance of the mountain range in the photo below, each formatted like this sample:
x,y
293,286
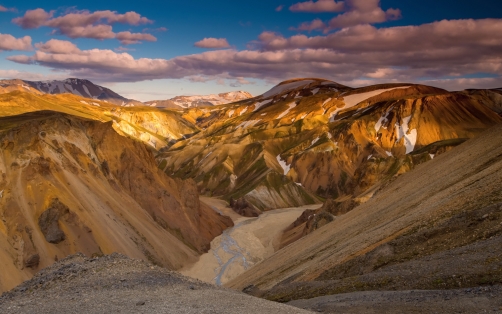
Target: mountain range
x,y
183,102
87,89
407,175
307,140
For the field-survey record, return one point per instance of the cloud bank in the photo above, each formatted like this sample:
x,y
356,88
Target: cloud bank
x,y
10,43
429,52
86,24
357,12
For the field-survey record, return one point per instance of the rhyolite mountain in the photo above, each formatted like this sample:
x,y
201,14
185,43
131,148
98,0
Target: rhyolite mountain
x,y
79,173
436,230
77,176
307,140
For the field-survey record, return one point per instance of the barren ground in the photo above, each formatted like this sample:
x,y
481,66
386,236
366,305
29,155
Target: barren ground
x,y
250,241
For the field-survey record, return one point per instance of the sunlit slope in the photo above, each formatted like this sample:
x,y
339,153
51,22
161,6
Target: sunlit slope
x,y
311,137
69,184
152,126
435,227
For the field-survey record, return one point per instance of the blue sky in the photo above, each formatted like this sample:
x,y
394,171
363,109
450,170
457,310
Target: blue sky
x,y
255,62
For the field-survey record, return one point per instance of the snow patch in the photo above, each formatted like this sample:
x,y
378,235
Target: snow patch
x,y
243,111
326,101
231,113
283,164
84,102
352,100
383,119
314,141
261,104
247,124
388,153
291,106
315,91
369,157
205,157
410,136
432,156
86,90
286,87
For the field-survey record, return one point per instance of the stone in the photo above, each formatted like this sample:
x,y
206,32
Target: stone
x,y
49,221
32,261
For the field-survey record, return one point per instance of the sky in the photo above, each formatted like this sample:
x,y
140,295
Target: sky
x,y
151,50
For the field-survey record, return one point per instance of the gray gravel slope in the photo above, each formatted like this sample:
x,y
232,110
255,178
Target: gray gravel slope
x,y
468,300
118,284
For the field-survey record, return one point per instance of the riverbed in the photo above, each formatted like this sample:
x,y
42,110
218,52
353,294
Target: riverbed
x,y
250,241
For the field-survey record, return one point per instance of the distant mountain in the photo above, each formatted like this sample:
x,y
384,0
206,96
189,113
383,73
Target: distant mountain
x,y
79,87
200,101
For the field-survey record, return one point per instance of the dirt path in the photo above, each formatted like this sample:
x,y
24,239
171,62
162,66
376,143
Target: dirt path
x,y
250,241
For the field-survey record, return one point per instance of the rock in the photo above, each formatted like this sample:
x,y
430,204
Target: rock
x,y
49,221
32,261
244,208
139,303
338,208
318,220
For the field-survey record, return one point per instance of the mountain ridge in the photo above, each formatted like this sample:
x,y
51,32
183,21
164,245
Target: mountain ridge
x,y
87,89
309,138
183,102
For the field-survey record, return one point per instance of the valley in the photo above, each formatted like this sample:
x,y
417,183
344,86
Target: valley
x,y
299,156
249,241
309,193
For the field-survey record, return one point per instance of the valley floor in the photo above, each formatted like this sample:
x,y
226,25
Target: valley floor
x,y
250,241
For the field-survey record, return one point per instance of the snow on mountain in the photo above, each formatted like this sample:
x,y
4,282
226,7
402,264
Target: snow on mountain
x,y
184,102
75,86
281,88
353,100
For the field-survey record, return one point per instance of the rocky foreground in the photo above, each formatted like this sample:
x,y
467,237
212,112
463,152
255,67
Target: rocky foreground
x,y
118,284
470,300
